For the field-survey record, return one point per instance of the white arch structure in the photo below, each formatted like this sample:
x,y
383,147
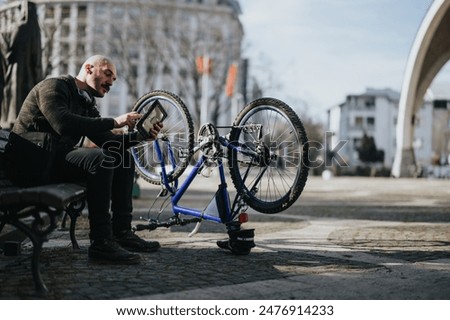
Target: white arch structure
x,y
429,53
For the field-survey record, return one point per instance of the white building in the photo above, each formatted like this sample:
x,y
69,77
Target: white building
x,y
374,113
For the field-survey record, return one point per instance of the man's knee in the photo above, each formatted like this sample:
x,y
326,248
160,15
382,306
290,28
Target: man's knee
x,y
87,159
115,160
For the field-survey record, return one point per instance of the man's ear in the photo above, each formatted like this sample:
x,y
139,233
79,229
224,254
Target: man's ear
x,y
88,68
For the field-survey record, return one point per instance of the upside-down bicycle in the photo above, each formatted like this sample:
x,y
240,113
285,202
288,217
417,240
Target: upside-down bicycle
x,y
266,150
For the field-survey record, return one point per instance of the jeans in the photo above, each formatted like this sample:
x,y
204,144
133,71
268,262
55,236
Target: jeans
x,y
109,178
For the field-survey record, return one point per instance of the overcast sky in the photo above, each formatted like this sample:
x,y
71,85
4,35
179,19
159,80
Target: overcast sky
x,y
319,51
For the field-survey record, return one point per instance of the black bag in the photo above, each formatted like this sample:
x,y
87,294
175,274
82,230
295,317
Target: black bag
x,y
32,157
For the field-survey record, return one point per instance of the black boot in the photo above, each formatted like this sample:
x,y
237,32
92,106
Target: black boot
x,y
107,250
240,242
133,243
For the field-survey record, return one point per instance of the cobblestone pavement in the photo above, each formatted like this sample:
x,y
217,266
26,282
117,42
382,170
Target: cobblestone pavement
x,y
345,238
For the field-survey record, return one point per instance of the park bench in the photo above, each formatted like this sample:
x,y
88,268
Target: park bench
x,y
35,211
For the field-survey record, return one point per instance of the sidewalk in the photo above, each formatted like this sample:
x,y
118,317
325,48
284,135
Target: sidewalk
x,y
346,238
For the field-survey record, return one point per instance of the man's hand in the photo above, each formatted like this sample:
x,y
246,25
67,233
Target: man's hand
x,y
155,130
128,119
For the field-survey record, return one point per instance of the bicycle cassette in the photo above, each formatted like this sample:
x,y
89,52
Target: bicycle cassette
x,y
208,137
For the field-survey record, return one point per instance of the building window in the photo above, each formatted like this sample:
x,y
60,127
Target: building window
x,y
64,67
358,121
440,104
65,12
134,34
65,30
183,73
81,31
134,13
370,102
49,12
166,69
100,10
81,49
65,48
82,12
134,71
118,12
371,121
133,53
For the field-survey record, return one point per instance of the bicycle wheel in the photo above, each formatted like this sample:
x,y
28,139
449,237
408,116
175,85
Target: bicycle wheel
x,y
176,139
271,167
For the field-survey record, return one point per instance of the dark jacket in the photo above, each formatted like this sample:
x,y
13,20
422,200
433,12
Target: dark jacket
x,y
56,105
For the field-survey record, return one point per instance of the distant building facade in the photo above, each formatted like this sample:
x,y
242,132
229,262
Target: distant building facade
x,y
156,44
374,113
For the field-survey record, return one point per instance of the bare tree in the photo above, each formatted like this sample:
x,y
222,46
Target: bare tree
x,y
160,45
182,45
48,56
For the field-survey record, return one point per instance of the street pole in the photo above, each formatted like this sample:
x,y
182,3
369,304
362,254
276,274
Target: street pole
x,y
205,89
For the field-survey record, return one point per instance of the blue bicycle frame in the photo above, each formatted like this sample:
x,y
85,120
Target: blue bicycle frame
x,y
226,215
230,215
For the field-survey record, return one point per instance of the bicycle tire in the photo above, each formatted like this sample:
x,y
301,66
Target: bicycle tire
x,y
177,132
284,159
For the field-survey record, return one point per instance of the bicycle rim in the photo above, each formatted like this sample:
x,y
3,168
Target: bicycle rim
x,y
176,139
274,180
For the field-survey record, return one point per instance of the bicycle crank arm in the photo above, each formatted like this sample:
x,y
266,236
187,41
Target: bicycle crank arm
x,y
153,224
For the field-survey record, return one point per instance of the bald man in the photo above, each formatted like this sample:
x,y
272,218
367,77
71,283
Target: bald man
x,y
66,108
